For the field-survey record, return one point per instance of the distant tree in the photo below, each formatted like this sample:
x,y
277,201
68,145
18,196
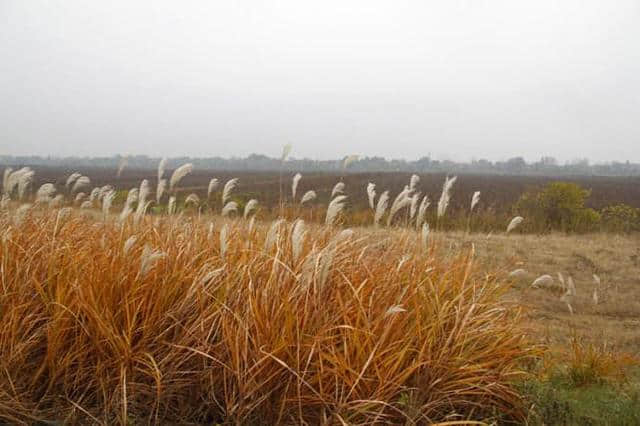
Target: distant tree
x,y
516,164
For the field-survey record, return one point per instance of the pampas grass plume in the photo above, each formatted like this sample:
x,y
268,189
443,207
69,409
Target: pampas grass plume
x,y
513,224
178,174
308,196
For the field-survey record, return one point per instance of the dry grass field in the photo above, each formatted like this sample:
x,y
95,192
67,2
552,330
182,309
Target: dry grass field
x,y
615,259
116,313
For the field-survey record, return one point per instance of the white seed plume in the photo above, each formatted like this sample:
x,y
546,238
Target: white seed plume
x,y
4,202
342,236
132,198
250,207
213,185
171,206
86,205
192,199
349,160
24,178
294,185
425,236
148,259
20,178
228,187
178,174
326,260
297,238
230,207
446,195
335,207
72,178
129,244
45,192
142,200
81,182
475,199
371,194
286,150
542,280
381,207
107,200
94,195
338,188
413,182
273,234
5,179
123,163
162,186
517,273
308,196
514,223
21,213
561,279
104,191
79,197
161,168
224,240
422,211
395,309
414,205
569,294
401,201
571,287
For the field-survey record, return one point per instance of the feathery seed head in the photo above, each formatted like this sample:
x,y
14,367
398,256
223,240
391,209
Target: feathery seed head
x,y
381,207
308,196
337,189
371,194
178,174
475,199
514,223
230,207
251,206
228,188
445,197
294,185
335,207
213,185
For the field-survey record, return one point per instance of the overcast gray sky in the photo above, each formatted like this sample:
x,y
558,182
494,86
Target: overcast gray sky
x,y
397,78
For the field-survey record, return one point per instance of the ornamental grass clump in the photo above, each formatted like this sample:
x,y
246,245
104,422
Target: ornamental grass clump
x,y
176,321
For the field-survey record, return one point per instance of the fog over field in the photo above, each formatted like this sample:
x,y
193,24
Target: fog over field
x,y
399,79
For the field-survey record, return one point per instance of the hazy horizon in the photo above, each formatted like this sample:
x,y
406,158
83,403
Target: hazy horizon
x,y
455,80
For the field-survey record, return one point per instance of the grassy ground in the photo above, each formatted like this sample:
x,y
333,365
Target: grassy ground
x,y
590,376
613,258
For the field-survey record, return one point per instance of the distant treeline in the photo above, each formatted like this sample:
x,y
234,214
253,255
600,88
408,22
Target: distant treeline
x,y
514,166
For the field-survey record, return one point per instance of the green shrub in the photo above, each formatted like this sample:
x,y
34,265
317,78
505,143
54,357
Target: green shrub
x,y
559,206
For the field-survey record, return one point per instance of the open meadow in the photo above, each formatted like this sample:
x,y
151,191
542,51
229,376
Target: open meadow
x,y
322,299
